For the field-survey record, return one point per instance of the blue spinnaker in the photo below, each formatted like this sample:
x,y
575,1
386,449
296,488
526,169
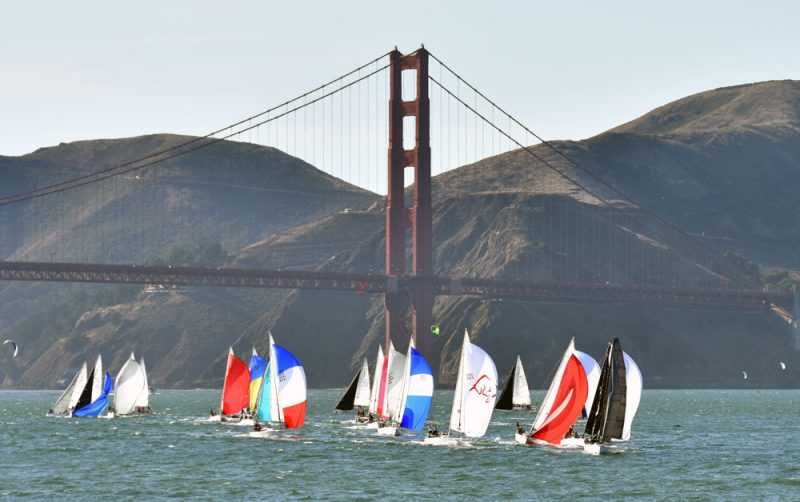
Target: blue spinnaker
x,y
420,392
95,408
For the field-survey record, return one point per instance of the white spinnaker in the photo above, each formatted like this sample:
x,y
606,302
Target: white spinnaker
x,y
522,394
550,398
97,380
458,395
394,381
633,394
144,398
479,391
400,406
593,371
362,389
128,385
376,382
66,402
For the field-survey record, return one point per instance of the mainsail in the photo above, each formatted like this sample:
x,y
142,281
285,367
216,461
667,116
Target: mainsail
x,y
516,393
236,389
564,400
376,382
130,384
476,391
67,400
97,380
416,391
394,381
357,393
607,417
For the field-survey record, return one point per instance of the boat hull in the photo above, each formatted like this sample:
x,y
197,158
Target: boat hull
x,y
572,443
445,441
597,448
388,431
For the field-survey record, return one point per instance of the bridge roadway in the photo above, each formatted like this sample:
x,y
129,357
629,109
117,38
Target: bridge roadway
x,y
377,284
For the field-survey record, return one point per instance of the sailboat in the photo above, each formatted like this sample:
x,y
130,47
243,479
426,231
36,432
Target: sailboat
x,y
282,401
357,394
390,390
373,394
93,398
69,398
615,402
562,404
415,396
131,393
257,367
474,397
236,389
515,395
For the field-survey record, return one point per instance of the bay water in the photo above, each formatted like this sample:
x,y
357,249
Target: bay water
x,y
686,444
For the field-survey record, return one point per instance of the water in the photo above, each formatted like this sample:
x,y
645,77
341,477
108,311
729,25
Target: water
x,y
698,444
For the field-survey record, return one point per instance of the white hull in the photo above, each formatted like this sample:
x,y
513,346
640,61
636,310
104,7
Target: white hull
x,y
527,440
445,441
388,431
263,433
597,448
371,425
521,438
573,443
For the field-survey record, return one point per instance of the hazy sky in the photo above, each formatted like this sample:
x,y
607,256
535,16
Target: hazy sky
x,y
91,69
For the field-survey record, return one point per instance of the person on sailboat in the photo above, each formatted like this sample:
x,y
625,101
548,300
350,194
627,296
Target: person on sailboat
x,y
432,431
520,429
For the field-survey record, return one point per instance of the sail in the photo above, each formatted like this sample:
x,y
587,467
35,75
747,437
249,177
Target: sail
x,y
394,381
376,382
522,395
592,377
458,394
236,389
479,390
506,402
607,417
85,394
633,394
416,391
257,365
143,401
96,407
362,391
66,401
564,400
129,385
382,385
291,395
346,402
263,408
97,381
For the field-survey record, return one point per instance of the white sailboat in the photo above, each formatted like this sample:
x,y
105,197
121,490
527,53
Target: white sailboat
x,y
390,392
357,394
131,392
615,403
69,398
374,391
474,397
516,395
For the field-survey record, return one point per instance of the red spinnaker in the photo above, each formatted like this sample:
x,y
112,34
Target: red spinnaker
x,y
566,409
382,388
236,392
294,416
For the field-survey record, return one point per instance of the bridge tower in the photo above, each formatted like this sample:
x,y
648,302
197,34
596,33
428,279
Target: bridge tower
x,y
418,216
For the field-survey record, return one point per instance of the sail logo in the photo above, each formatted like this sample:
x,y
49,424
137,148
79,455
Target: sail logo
x,y
485,387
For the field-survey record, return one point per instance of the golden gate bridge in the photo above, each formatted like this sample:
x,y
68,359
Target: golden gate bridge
x,y
588,242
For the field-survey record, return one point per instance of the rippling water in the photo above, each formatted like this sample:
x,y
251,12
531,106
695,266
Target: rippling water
x,y
693,444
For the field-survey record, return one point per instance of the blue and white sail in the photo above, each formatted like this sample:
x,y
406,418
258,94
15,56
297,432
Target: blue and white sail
x,y
417,391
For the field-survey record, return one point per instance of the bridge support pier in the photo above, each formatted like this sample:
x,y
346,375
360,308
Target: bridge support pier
x,y
417,217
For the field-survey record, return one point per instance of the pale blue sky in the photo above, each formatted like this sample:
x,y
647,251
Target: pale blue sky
x,y
91,69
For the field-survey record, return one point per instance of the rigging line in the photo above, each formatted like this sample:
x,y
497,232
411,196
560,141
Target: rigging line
x,y
3,201
580,166
741,280
105,174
